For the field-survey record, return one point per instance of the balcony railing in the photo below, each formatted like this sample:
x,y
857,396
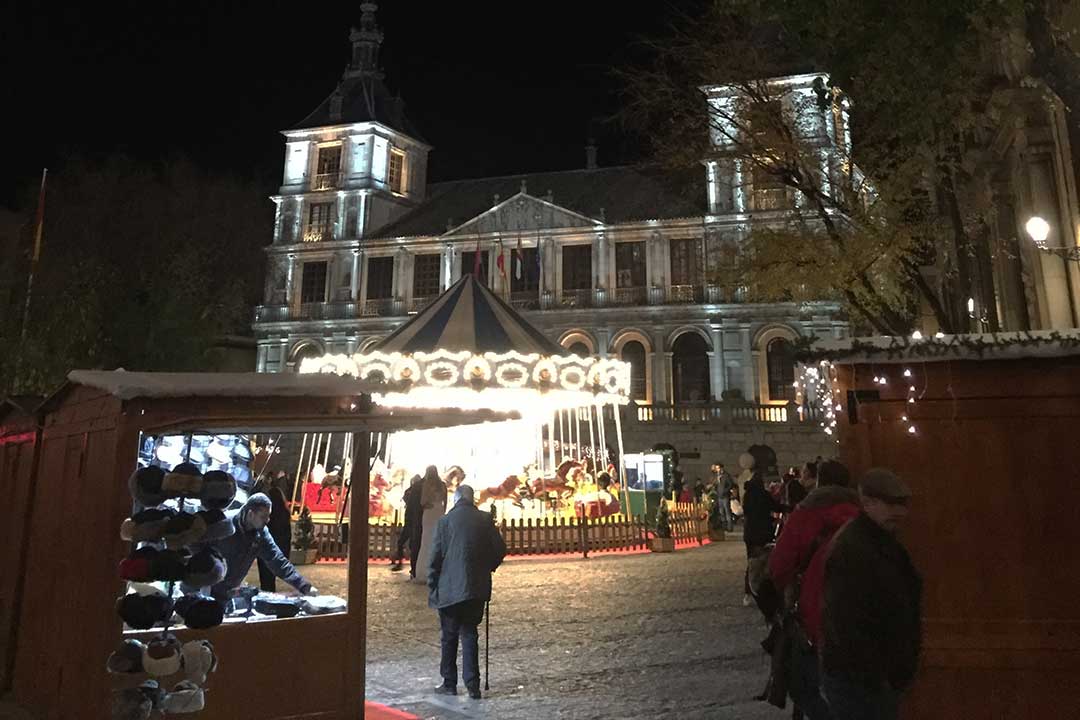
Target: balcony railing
x,y
726,412
578,298
326,181
419,303
631,296
318,233
684,294
306,311
382,307
525,300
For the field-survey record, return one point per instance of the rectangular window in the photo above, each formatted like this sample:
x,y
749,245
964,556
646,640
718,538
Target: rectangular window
x,y
630,265
426,275
686,262
313,283
329,162
396,172
523,263
468,265
320,222
770,192
380,280
577,267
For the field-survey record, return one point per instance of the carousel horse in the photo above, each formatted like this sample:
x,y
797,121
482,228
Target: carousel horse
x,y
563,484
508,489
331,481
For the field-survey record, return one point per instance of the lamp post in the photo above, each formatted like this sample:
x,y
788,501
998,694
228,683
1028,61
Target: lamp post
x,y
1039,230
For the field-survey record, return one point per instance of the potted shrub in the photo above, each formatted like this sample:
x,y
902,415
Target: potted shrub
x,y
304,551
662,540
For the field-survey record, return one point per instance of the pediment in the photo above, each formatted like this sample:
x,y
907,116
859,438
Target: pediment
x,y
522,213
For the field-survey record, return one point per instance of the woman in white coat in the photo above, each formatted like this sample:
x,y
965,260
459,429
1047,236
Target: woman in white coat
x,y
433,501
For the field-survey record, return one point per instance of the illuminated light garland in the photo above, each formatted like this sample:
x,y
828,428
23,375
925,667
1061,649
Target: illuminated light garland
x,y
520,375
544,372
816,386
477,369
406,369
441,373
572,378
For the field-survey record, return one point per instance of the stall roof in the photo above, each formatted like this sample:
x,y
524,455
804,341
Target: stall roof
x,y
130,385
988,346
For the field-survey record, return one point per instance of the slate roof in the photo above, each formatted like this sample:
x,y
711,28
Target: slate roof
x,y
365,99
625,193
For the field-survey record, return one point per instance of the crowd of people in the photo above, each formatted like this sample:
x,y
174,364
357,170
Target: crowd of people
x,y
838,589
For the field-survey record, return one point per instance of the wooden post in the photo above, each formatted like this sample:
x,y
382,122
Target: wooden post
x,y
358,572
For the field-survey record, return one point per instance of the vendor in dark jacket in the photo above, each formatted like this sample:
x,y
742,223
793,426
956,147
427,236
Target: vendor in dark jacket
x,y
467,548
872,606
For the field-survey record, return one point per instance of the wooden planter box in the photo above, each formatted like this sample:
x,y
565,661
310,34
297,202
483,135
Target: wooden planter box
x,y
303,557
663,545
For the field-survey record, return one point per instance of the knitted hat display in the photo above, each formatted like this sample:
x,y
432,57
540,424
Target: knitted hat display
x,y
186,697
127,658
218,526
147,564
218,490
131,704
322,605
199,660
185,479
146,526
241,452
152,691
200,611
280,606
184,529
162,656
145,485
142,612
207,567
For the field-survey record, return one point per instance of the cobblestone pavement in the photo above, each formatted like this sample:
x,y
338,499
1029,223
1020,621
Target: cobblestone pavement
x,y
615,636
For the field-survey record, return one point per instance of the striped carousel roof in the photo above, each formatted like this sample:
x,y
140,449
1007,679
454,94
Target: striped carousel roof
x,y
469,316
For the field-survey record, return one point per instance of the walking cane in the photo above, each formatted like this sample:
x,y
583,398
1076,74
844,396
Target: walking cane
x,y
487,645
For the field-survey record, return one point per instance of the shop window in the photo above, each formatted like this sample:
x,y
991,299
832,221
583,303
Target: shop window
x,y
396,172
380,281
577,267
313,283
426,271
780,359
630,265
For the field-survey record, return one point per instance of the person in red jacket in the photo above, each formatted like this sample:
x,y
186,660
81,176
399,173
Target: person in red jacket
x,y
801,551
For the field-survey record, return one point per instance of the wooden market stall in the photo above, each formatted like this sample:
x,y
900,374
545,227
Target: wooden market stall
x,y
308,667
984,430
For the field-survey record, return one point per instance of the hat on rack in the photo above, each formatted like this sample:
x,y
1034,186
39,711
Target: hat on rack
x,y
186,697
162,656
145,485
185,479
147,564
153,692
131,704
184,529
280,606
147,525
199,660
200,611
218,526
127,658
207,567
218,489
143,611
322,605
241,452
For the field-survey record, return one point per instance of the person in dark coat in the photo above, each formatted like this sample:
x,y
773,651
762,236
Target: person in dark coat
x,y
280,527
250,540
758,525
411,529
467,548
872,607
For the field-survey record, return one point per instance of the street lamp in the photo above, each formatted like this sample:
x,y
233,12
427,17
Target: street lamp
x,y
1039,230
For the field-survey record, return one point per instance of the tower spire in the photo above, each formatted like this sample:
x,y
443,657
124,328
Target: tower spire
x,y
366,41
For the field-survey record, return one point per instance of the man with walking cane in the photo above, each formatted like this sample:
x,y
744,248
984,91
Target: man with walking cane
x,y
467,548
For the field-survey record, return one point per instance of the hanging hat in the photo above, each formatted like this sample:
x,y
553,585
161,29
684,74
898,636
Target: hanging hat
x,y
207,567
218,451
218,490
199,660
184,529
145,485
142,612
322,605
162,656
241,452
127,658
280,606
218,525
200,611
131,704
186,697
147,564
147,525
153,692
184,479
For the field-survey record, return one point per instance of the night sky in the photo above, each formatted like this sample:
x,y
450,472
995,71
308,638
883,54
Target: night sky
x,y
496,88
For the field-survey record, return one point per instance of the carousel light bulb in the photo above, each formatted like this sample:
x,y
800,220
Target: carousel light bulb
x,y
916,335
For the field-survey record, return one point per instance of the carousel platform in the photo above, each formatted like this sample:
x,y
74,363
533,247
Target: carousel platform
x,y
378,711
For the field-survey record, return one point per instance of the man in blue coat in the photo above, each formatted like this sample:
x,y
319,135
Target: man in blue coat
x,y
467,548
250,540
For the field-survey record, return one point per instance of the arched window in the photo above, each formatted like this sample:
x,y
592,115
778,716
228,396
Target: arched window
x,y
633,352
690,368
580,349
780,361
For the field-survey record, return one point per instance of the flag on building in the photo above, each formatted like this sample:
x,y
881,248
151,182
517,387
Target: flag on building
x,y
517,259
500,262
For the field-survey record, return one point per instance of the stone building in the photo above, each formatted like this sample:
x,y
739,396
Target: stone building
x,y
616,261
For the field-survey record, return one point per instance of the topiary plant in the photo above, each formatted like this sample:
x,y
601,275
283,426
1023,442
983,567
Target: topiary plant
x,y
663,524
304,534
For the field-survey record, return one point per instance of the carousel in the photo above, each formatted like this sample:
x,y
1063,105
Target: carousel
x,y
469,349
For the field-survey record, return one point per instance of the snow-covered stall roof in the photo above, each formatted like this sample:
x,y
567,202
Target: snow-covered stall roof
x,y
988,346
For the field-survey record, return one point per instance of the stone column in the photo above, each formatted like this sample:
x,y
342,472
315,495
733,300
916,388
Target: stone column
x,y
660,376
260,358
716,362
749,388
354,278
291,296
362,299
447,271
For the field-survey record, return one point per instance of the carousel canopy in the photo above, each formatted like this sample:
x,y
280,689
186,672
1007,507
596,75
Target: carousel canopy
x,y
469,316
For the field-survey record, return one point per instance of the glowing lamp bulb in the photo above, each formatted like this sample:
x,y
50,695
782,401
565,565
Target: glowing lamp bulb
x,y
911,430
916,335
939,335
907,372
1038,229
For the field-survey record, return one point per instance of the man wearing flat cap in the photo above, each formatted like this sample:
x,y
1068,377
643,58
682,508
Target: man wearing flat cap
x,y
872,607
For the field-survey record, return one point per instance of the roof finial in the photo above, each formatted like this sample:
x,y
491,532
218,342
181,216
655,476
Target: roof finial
x,y
495,200
590,155
524,189
365,43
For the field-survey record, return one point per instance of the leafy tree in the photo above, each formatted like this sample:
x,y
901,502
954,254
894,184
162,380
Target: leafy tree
x,y
142,267
902,222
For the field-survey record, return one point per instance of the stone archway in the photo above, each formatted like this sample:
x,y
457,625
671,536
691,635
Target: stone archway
x,y
303,350
579,342
634,347
690,369
776,363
